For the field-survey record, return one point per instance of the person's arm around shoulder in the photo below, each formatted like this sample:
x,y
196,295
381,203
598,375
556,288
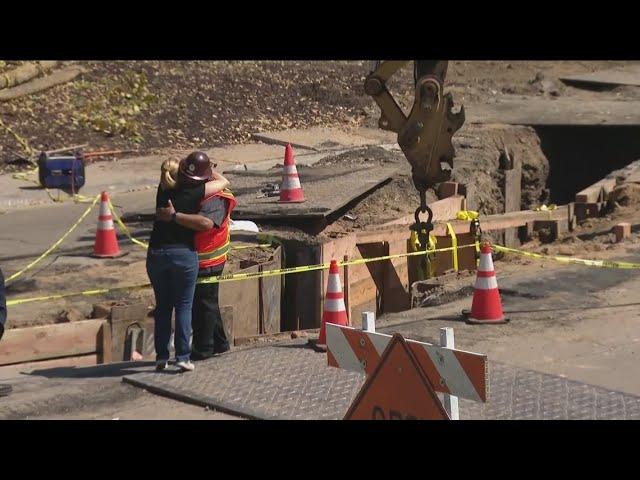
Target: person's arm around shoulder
x,y
195,222
218,184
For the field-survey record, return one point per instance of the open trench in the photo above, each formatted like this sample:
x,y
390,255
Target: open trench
x,y
579,156
557,162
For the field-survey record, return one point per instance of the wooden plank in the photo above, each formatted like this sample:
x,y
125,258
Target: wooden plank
x,y
367,281
364,271
395,294
364,291
571,216
610,77
444,209
512,168
226,312
598,192
129,313
244,298
502,221
587,210
104,343
270,301
50,341
345,287
487,222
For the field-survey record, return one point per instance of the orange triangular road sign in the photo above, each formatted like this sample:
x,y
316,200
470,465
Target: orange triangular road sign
x,y
397,389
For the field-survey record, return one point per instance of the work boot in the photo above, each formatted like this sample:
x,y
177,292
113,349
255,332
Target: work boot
x,y
196,356
221,350
161,365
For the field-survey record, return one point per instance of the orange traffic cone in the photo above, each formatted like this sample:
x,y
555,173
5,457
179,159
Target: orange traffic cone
x,y
486,306
106,244
334,308
290,190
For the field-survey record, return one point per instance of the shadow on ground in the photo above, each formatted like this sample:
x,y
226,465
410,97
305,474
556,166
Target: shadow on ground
x,y
119,369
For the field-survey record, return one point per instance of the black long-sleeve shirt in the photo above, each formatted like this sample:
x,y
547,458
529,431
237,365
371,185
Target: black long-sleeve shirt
x,y
185,199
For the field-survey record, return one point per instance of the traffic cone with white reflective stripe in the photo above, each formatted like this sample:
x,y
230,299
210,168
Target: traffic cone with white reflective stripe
x,y
486,306
290,190
106,244
334,307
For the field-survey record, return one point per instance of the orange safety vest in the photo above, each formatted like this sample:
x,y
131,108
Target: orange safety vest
x,y
213,245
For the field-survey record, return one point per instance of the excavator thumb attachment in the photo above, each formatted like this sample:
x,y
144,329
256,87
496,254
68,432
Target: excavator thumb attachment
x,y
425,134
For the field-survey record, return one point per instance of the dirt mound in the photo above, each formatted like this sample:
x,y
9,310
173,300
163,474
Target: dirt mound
x,y
477,165
626,195
364,156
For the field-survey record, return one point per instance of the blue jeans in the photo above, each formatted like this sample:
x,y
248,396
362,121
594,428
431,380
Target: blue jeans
x,y
173,273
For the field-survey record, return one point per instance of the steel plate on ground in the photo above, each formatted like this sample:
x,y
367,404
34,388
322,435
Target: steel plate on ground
x,y
291,381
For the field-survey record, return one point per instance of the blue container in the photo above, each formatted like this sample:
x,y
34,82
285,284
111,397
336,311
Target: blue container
x,y
66,173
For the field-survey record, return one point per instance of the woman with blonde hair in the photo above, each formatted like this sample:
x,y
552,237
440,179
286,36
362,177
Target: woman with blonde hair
x,y
169,172
172,261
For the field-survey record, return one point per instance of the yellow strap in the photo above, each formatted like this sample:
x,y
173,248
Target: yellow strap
x,y
467,215
124,227
432,242
454,246
415,243
56,244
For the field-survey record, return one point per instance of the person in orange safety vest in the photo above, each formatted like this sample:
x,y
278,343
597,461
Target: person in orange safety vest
x,y
212,245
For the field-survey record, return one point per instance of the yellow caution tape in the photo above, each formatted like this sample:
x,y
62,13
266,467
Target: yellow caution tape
x,y
309,268
124,227
232,277
56,244
145,245
454,245
577,261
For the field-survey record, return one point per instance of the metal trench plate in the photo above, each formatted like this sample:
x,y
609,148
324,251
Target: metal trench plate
x,y
291,381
